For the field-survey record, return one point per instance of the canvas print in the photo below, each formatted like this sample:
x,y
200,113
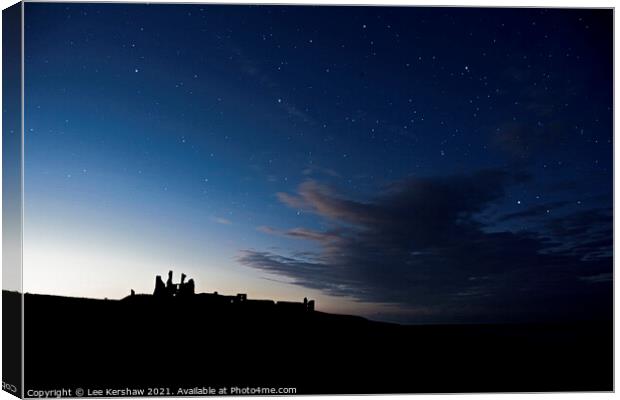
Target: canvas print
x,y
207,199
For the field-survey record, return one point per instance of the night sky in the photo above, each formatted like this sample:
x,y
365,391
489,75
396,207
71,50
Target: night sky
x,y
405,164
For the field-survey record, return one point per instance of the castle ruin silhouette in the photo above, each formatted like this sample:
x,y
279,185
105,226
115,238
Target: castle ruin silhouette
x,y
186,290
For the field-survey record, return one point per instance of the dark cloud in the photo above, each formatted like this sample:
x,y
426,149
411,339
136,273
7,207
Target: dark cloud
x,y
586,234
419,244
534,211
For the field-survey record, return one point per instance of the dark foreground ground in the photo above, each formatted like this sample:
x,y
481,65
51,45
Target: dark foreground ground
x,y
71,343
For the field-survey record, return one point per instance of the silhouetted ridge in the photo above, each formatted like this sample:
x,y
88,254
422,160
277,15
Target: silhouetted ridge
x,y
173,340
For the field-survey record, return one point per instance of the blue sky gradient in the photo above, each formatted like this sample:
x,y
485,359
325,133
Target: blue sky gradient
x,y
302,151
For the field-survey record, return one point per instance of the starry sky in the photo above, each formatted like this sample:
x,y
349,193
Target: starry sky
x,y
415,165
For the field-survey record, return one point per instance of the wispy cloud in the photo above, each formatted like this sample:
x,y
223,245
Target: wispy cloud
x,y
221,220
316,170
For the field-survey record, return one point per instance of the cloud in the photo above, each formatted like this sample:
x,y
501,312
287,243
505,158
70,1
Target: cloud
x,y
534,211
316,170
267,229
419,245
221,220
256,71
585,234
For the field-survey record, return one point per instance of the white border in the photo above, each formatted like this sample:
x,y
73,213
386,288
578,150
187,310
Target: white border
x,y
444,3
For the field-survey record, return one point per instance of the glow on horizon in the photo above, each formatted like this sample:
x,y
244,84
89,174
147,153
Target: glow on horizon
x,y
91,272
91,261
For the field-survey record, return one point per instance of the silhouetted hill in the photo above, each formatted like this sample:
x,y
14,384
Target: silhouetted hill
x,y
145,341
